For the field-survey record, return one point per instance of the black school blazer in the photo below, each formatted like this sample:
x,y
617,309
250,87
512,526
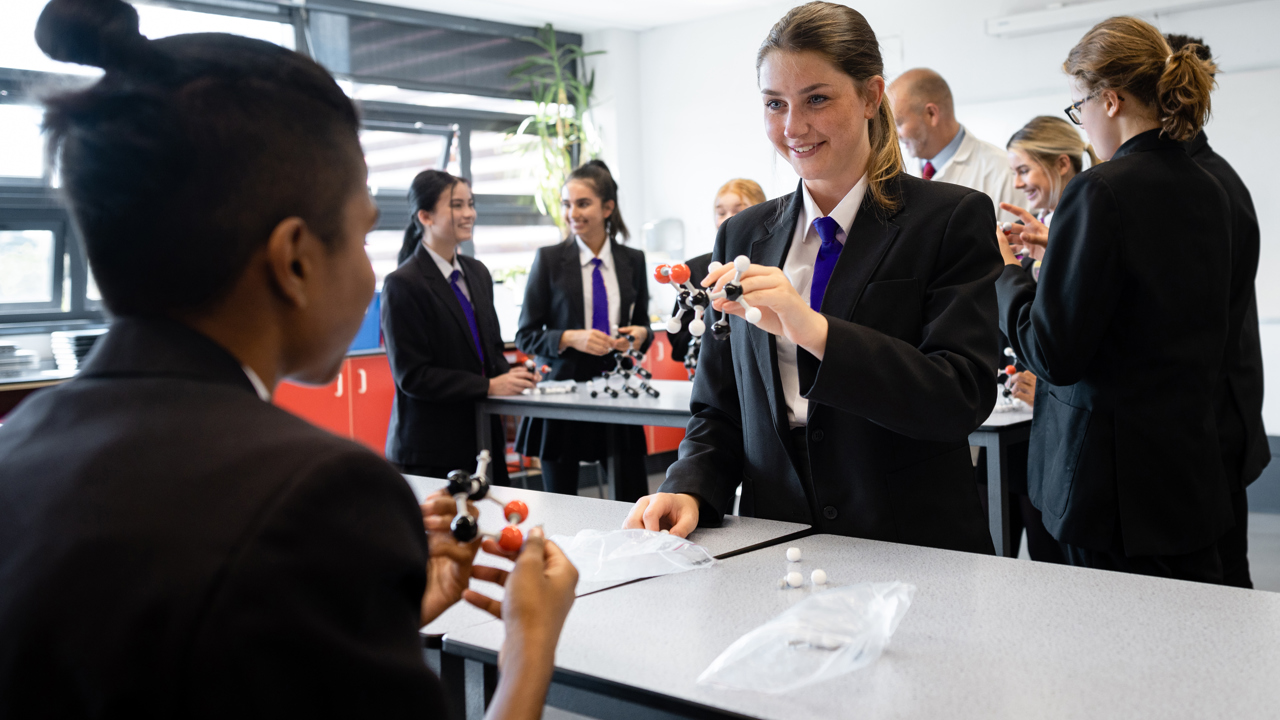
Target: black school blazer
x,y
1125,332
908,373
679,340
1241,435
173,546
553,304
434,362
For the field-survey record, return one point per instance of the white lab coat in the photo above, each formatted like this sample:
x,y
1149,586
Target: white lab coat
x,y
981,166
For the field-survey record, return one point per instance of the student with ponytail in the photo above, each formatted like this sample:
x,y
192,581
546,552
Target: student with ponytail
x,y
442,336
849,405
583,297
171,543
1126,328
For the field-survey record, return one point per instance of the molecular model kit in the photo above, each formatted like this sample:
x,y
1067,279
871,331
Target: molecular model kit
x,y
627,374
1005,401
696,302
474,487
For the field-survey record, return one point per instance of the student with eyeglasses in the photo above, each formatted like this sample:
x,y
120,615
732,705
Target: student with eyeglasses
x,y
1125,466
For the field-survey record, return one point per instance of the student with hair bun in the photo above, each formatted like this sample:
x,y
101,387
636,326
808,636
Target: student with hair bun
x,y
584,296
171,543
732,198
442,336
1126,328
848,406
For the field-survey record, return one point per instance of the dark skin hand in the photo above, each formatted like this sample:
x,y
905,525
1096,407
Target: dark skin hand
x,y
451,564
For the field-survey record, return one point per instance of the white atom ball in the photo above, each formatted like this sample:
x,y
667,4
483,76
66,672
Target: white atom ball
x,y
714,266
741,263
795,579
753,315
819,577
793,554
697,327
673,325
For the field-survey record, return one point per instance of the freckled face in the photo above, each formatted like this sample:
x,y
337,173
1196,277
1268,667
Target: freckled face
x,y
814,114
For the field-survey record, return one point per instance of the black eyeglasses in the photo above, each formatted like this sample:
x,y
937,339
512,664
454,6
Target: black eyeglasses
x,y
1073,110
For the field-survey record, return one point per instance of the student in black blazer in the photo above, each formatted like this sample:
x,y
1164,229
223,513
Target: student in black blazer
x,y
442,337
854,419
1127,326
554,327
732,198
1241,436
171,544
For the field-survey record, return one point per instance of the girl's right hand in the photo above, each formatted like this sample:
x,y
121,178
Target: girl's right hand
x,y
591,342
539,593
1032,234
674,512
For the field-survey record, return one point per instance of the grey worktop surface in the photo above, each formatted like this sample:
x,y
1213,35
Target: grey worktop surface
x,y
998,420
568,514
985,637
673,397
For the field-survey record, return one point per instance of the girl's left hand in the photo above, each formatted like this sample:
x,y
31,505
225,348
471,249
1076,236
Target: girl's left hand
x,y
1005,242
639,332
449,562
782,310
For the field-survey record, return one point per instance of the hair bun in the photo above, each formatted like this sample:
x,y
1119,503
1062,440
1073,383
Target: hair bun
x,y
102,33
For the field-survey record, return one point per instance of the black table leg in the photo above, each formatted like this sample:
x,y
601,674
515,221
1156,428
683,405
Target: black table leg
x,y
998,496
614,463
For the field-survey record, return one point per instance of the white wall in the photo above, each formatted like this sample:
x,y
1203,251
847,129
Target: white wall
x,y
700,117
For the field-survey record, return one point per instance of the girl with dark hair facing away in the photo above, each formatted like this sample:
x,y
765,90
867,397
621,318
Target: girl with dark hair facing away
x,y
584,297
1125,467
171,544
848,406
442,336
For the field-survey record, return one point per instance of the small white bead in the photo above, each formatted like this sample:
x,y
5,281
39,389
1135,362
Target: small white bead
x,y
665,532
793,554
741,263
714,266
795,579
819,577
753,315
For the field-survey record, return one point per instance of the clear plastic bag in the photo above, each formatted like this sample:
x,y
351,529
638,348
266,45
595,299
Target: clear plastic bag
x,y
623,555
828,634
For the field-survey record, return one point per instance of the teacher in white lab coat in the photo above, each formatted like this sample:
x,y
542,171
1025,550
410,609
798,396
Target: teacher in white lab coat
x,y
941,148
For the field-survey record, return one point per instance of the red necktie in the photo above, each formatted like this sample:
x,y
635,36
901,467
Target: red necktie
x,y
927,172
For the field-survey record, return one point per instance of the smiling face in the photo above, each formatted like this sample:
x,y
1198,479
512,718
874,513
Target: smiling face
x,y
1030,177
816,117
453,219
584,211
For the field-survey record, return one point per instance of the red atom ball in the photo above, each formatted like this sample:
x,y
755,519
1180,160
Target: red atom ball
x,y
1010,370
679,274
517,508
662,274
511,539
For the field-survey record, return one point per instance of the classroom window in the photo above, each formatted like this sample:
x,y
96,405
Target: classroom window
x,y
503,164
21,151
395,158
28,260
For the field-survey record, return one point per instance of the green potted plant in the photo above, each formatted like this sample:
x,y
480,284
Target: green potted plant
x,y
561,121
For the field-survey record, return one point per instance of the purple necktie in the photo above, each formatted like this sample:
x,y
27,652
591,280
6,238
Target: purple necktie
x,y
469,312
829,230
599,299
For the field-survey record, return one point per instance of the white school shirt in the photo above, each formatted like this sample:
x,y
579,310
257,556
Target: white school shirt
x,y
799,267
258,386
447,268
610,273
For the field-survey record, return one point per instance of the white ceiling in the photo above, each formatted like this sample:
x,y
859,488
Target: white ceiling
x,y
583,15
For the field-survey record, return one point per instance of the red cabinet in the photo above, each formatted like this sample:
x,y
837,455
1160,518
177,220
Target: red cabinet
x,y
372,391
659,362
356,405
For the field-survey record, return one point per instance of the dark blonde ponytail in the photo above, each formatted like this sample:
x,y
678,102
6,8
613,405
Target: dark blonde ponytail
x,y
1183,92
